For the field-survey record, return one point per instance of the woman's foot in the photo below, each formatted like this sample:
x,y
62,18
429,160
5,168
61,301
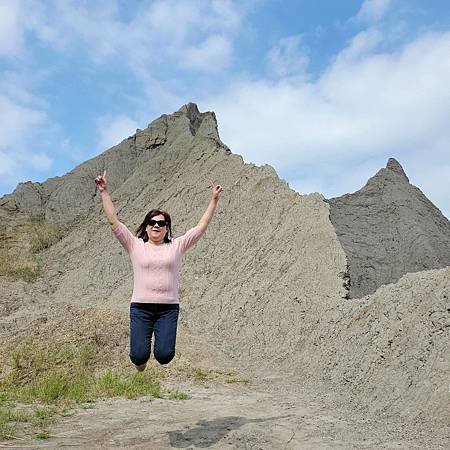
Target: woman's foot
x,y
142,367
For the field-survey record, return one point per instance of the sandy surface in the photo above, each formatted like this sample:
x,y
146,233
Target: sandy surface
x,y
272,416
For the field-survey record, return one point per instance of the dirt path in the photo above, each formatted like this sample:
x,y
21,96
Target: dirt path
x,y
224,416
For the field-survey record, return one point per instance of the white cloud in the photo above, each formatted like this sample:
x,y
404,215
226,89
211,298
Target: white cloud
x,y
186,34
329,178
114,129
15,86
212,55
11,33
429,170
67,24
367,105
362,44
288,58
362,108
172,20
16,120
40,161
24,125
226,13
157,32
372,10
7,164
20,17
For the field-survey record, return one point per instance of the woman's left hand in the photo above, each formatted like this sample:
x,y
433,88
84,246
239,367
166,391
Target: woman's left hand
x,y
216,189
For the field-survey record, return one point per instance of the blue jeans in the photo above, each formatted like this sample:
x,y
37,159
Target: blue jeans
x,y
146,318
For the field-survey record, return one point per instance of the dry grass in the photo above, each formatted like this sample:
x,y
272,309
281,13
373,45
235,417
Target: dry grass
x,y
75,359
20,248
45,379
202,375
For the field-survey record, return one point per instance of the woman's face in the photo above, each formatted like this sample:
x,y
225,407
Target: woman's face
x,y
156,231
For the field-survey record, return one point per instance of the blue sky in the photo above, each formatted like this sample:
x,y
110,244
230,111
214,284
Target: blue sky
x,y
325,91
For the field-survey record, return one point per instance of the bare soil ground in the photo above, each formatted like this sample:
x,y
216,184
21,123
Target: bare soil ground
x,y
261,414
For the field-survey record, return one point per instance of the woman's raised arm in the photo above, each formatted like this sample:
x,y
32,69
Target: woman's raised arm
x,y
108,206
216,189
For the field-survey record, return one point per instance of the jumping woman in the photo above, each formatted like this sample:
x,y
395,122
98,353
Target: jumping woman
x,y
156,259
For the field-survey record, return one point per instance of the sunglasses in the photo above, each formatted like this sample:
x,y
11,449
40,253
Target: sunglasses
x,y
161,223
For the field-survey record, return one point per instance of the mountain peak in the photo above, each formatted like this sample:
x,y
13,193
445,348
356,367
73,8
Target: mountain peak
x,y
203,123
188,122
387,229
190,109
396,167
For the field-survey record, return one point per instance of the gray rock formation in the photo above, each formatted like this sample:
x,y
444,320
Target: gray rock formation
x,y
74,195
387,229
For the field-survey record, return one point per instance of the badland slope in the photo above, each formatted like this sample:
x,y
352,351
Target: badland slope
x,y
387,229
268,284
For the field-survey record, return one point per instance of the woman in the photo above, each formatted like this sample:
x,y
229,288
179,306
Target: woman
x,y
156,259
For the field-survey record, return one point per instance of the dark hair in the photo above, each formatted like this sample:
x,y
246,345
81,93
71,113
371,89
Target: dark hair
x,y
142,234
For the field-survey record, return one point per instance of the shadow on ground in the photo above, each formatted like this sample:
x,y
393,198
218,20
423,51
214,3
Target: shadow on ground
x,y
208,432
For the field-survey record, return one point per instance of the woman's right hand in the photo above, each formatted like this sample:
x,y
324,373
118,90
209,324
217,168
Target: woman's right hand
x,y
101,182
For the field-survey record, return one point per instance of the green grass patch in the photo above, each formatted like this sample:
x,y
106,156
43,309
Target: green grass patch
x,y
10,418
176,394
42,435
6,419
51,378
199,374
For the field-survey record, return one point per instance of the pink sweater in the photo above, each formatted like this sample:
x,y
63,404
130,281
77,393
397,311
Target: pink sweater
x,y
156,268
